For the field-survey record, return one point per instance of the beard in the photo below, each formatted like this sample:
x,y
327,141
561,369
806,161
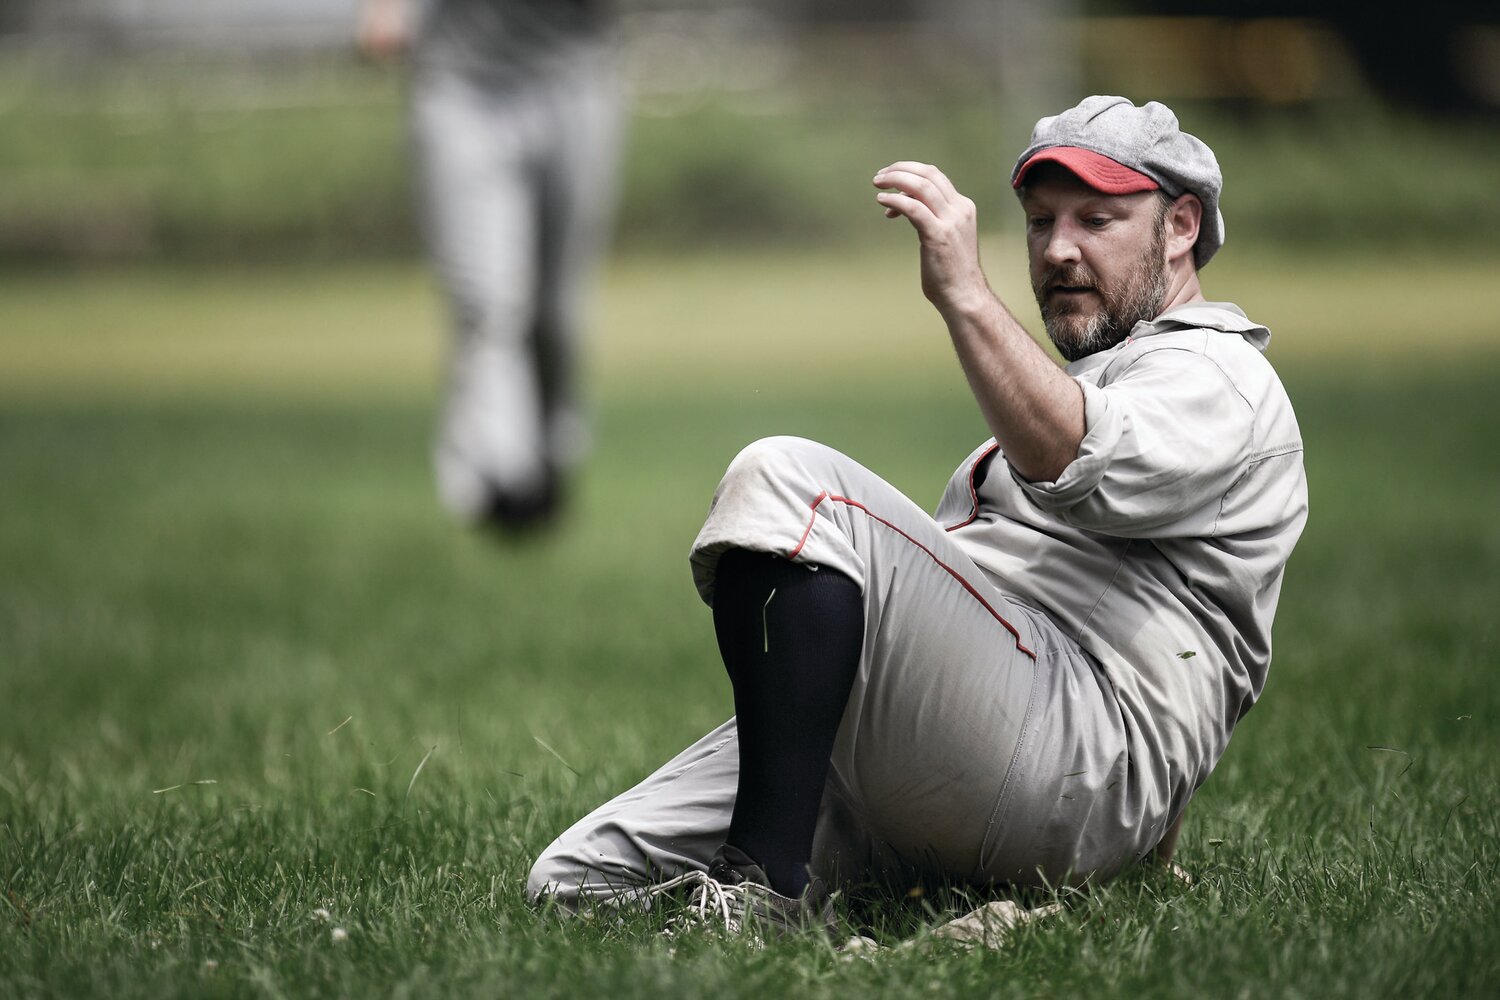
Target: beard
x,y
1138,296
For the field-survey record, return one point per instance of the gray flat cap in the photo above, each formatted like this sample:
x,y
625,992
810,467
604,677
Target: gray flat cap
x,y
1116,147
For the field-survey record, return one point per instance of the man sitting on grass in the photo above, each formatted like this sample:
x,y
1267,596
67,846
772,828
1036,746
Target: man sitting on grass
x,y
1026,688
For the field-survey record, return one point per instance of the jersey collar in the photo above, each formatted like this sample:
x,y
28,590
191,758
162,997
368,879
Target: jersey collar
x,y
1225,317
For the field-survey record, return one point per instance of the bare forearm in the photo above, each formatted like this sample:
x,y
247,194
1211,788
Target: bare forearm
x,y
1034,410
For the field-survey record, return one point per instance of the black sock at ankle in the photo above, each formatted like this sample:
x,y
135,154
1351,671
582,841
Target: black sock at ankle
x,y
790,637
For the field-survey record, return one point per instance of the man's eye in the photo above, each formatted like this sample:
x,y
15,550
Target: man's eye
x,y
1037,222
1097,221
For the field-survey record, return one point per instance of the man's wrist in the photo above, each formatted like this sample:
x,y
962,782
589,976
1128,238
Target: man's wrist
x,y
971,305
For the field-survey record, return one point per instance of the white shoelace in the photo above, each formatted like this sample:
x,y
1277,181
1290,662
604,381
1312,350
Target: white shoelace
x,y
710,900
714,899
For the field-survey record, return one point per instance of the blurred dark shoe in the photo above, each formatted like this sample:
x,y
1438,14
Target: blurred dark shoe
x,y
511,512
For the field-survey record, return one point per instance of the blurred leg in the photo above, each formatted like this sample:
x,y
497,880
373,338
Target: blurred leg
x,y
480,206
585,122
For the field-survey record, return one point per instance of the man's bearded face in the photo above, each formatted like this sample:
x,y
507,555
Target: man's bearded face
x,y
1085,312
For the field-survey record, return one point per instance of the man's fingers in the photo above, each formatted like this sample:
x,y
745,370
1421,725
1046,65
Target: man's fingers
x,y
914,209
897,176
912,167
926,172
915,186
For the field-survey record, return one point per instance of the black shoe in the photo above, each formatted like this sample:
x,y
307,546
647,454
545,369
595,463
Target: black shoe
x,y
516,512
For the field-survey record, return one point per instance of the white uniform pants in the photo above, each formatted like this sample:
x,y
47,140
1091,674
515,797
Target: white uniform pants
x,y
517,180
968,727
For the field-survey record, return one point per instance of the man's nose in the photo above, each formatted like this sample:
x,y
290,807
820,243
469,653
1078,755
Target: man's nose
x,y
1062,245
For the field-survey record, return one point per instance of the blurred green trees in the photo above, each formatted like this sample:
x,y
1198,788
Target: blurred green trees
x,y
307,160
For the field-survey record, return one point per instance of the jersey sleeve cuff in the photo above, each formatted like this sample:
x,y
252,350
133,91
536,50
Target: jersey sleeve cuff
x,y
1102,431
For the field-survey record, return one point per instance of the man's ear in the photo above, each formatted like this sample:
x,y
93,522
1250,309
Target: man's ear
x,y
1182,222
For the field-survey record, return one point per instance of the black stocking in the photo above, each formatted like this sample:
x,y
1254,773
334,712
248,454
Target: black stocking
x,y
790,636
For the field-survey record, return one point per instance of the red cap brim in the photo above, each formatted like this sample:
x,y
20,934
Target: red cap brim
x,y
1094,169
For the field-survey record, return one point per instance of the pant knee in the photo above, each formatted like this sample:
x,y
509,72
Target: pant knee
x,y
553,877
768,501
782,474
770,458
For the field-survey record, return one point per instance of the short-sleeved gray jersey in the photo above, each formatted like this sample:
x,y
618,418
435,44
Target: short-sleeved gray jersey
x,y
504,38
1161,547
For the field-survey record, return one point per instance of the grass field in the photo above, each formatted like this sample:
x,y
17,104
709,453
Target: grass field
x,y
248,671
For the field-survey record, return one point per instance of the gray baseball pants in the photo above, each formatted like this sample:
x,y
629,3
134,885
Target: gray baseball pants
x,y
969,725
516,176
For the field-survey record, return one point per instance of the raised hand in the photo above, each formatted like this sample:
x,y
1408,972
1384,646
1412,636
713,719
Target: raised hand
x,y
383,29
947,230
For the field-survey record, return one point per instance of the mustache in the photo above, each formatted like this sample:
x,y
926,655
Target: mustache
x,y
1064,276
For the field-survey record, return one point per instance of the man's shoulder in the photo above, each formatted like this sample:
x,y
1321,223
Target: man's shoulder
x,y
1184,351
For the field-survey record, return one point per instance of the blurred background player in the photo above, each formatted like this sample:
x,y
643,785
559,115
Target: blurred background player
x,y
515,123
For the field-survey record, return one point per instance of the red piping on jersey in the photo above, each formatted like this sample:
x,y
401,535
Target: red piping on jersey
x,y
974,488
825,495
